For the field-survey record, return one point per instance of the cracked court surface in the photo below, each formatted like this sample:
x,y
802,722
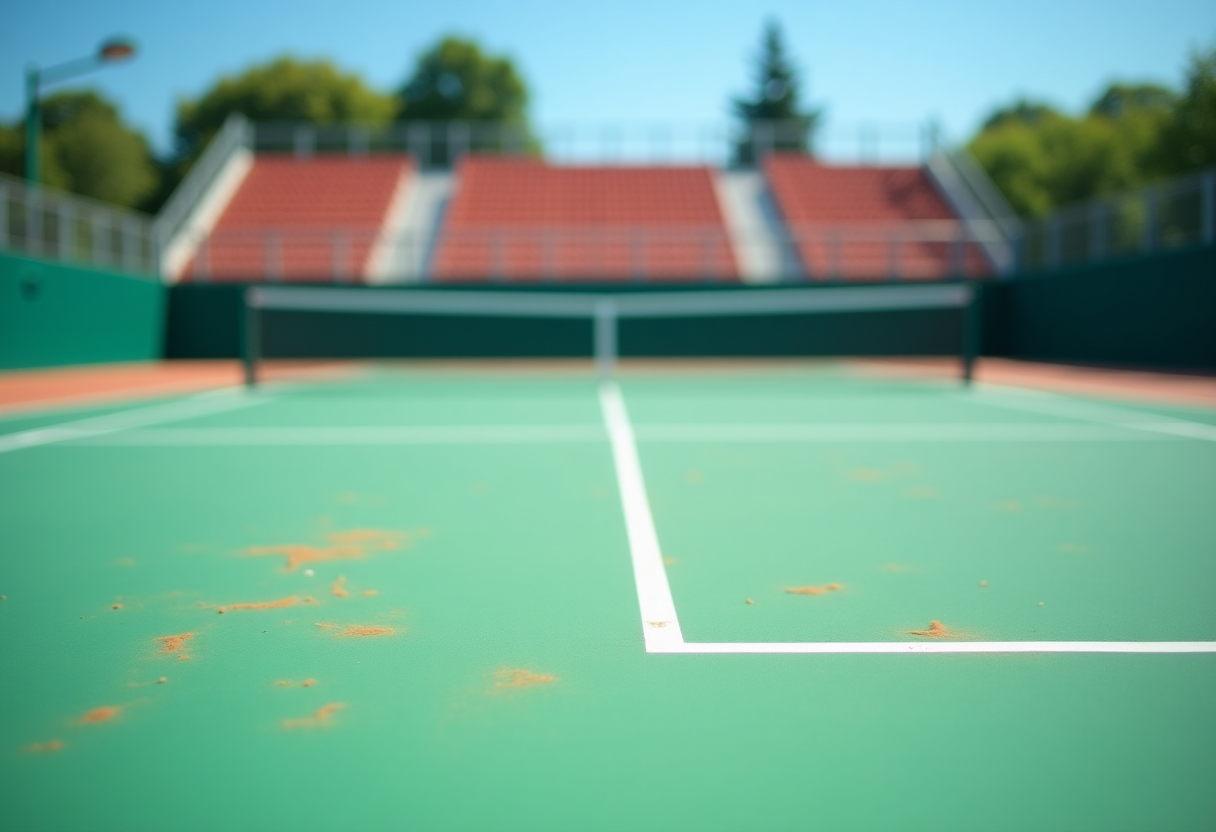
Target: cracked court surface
x,y
465,545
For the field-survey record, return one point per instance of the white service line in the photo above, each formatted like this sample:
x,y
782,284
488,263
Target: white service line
x,y
321,436
215,401
893,432
660,627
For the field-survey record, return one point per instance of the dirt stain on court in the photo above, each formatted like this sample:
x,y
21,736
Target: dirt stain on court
x,y
354,544
105,713
50,746
175,644
290,601
518,678
322,718
813,590
358,630
337,589
936,630
284,683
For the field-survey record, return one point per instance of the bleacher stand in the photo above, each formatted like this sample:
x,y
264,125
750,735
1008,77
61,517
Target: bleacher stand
x,y
525,220
844,222
303,219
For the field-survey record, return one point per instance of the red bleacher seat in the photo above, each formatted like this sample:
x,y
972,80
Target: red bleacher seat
x,y
302,219
847,221
522,219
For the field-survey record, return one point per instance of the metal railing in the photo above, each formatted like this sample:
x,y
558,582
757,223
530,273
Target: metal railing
x,y
937,249
1169,215
440,144
976,201
45,223
234,136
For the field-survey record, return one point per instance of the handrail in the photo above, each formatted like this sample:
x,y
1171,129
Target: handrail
x,y
984,190
236,134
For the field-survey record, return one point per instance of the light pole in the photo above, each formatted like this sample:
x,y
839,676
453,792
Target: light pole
x,y
112,50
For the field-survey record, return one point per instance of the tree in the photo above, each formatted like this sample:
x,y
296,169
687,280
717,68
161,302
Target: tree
x,y
1189,141
1132,134
285,89
87,150
456,81
1041,158
771,116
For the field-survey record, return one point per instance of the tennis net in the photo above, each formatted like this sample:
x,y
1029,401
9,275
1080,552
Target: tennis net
x,y
608,309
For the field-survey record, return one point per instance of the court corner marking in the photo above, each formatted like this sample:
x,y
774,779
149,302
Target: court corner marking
x,y
661,626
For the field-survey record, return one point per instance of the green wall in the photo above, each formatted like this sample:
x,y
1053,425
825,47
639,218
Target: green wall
x,y
1155,312
53,314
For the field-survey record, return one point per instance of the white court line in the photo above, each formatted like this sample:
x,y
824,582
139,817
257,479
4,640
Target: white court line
x,y
1039,401
888,432
215,401
559,433
661,627
318,436
908,647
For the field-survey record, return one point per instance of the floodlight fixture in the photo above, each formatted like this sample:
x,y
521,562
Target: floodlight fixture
x,y
112,50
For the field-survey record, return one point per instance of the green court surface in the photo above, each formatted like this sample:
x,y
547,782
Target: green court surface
x,y
500,678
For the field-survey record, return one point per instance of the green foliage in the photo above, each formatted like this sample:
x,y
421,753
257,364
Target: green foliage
x,y
87,150
282,90
12,149
775,98
456,80
1042,159
1189,141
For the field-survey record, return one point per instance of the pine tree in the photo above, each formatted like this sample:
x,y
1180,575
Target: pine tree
x,y
772,119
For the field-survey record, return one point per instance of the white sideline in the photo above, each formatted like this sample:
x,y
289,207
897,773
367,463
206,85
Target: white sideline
x,y
661,627
214,401
1040,401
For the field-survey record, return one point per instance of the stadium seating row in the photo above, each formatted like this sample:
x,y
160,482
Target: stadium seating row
x,y
323,218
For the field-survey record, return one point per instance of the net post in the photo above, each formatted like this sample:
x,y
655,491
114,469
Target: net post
x,y
973,322
605,338
251,341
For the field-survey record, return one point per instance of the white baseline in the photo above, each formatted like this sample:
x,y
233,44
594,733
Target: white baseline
x,y
661,627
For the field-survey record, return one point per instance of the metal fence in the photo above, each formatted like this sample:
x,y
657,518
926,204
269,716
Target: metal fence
x,y
72,229
1169,215
440,144
914,250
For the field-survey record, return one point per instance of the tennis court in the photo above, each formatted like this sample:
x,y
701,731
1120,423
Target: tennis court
x,y
782,596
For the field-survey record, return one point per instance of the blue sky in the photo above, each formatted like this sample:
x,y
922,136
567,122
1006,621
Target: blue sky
x,y
889,61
